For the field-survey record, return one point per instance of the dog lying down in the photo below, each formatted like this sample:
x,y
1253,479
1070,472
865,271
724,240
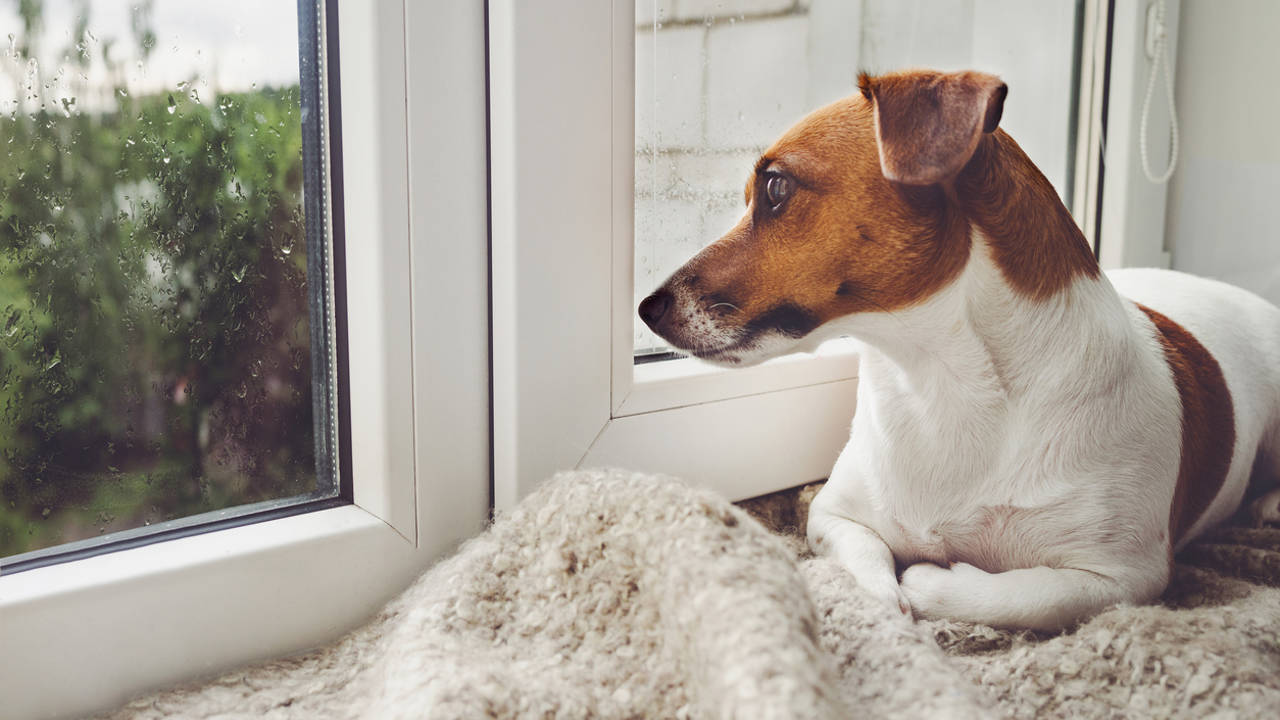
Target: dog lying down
x,y
1034,439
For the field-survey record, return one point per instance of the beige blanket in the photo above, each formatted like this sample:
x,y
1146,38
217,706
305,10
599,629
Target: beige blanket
x,y
613,595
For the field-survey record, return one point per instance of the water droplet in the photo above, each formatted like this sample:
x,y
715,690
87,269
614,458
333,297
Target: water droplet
x,y
11,325
239,275
173,105
286,250
195,96
166,161
45,513
122,92
53,363
242,392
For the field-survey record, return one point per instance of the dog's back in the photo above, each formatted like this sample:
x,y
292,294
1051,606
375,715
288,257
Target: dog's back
x,y
1242,333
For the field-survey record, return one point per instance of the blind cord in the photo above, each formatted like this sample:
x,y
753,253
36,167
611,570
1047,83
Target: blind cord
x,y
1161,53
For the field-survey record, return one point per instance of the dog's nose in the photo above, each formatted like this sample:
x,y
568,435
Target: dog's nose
x,y
654,307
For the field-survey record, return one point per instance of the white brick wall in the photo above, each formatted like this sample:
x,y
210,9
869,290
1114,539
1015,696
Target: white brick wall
x,y
669,74
718,80
757,73
700,9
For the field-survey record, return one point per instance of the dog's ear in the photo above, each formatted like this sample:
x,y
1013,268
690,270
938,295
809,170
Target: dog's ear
x,y
928,123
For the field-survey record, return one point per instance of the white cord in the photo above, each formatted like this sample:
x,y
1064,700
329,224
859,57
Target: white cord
x,y
1161,53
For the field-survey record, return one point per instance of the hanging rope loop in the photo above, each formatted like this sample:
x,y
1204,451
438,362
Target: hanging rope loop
x,y
1161,54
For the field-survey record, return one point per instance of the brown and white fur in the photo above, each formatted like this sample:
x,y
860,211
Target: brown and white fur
x,y
1034,439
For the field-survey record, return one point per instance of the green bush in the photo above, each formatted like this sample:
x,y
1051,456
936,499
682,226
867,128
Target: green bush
x,y
154,347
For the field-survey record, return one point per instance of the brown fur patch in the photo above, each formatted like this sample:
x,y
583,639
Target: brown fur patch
x,y
1208,423
1033,238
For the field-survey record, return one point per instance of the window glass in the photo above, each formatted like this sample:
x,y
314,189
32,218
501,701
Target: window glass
x,y
164,323
718,81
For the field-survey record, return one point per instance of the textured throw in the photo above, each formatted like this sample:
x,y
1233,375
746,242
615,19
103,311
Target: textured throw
x,y
615,595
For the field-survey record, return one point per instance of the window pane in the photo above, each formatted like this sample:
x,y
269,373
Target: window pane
x,y
164,346
718,81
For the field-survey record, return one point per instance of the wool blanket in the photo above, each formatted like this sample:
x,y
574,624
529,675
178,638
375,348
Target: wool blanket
x,y
608,594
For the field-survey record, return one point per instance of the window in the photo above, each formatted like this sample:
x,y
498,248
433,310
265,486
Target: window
x,y
126,621
169,345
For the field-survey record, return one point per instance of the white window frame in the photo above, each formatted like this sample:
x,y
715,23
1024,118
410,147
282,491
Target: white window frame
x,y
1132,226
565,396
83,636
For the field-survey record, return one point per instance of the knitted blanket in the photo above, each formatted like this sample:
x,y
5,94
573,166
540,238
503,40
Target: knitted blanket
x,y
614,595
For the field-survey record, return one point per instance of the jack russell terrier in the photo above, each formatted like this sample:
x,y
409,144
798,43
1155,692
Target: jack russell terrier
x,y
1034,439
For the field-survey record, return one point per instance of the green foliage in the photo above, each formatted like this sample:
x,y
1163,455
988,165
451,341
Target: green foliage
x,y
154,349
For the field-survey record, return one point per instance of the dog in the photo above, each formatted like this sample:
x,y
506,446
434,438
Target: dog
x,y
1033,439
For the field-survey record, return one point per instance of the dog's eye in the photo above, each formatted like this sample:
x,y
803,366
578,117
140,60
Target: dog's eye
x,y
777,188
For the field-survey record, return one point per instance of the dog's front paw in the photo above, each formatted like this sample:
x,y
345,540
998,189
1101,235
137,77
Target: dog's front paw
x,y
930,588
891,595
1266,509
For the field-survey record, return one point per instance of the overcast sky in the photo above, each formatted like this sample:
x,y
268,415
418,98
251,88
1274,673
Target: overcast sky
x,y
227,45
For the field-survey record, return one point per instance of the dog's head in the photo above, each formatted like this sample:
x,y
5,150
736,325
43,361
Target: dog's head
x,y
847,213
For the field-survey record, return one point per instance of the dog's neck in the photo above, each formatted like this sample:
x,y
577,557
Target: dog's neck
x,y
1030,316
1033,238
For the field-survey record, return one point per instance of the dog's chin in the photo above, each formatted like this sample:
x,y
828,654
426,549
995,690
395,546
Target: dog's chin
x,y
746,353
723,358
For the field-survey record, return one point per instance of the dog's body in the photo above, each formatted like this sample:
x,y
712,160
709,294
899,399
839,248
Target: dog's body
x,y
1040,472
1028,444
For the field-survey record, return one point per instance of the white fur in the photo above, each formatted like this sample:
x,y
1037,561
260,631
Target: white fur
x,y
1039,440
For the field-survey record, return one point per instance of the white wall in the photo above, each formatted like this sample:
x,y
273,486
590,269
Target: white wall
x,y
1222,211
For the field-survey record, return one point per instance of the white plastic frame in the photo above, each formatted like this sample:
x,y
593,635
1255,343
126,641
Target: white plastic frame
x,y
83,636
1131,232
566,392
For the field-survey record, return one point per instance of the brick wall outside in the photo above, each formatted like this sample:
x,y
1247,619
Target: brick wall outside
x,y
718,80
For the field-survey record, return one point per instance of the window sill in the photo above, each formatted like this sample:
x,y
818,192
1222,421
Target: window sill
x,y
688,381
250,591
